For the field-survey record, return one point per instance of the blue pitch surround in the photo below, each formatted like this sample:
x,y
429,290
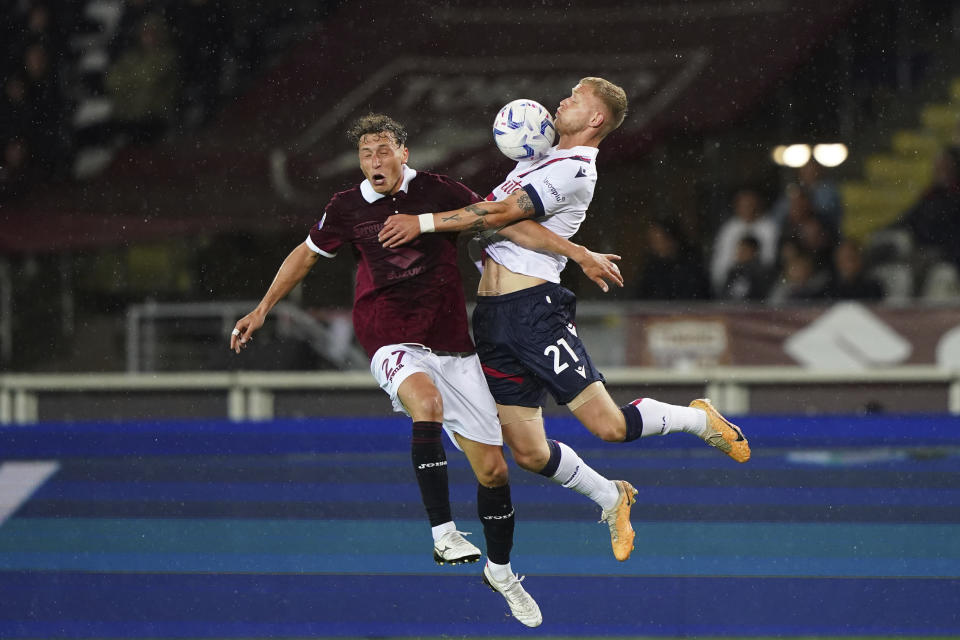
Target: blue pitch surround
x,y
838,526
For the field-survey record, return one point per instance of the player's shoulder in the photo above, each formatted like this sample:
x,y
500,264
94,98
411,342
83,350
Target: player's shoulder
x,y
347,199
429,180
425,178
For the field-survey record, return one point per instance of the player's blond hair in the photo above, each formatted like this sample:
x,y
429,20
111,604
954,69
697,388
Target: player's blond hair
x,y
613,97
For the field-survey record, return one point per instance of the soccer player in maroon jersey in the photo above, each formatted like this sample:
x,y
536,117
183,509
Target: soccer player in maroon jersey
x,y
409,315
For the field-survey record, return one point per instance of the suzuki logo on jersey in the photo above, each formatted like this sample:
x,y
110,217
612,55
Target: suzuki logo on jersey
x,y
554,191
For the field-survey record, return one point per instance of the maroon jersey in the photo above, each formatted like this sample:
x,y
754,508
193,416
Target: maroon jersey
x,y
411,293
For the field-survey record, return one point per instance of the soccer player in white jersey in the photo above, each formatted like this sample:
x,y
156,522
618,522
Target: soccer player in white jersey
x,y
524,321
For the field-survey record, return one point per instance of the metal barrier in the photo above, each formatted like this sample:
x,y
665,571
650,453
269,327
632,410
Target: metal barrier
x,y
152,323
252,395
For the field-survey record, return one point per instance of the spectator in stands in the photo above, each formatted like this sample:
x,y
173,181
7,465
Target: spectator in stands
x,y
824,196
673,269
807,230
202,29
15,169
934,220
748,219
40,28
126,36
46,133
15,109
850,280
749,278
143,83
800,279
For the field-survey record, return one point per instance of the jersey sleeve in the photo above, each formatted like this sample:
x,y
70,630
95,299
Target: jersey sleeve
x,y
324,237
565,186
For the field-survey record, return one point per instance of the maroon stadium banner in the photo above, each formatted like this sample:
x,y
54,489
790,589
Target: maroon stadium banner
x,y
844,336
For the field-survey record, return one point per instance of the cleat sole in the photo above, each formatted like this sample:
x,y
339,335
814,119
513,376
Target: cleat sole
x,y
464,560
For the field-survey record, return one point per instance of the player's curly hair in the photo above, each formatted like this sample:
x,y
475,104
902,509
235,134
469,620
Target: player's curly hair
x,y
376,123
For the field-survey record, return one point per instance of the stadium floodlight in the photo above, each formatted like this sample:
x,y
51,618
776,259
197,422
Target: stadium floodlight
x,y
796,155
777,154
830,155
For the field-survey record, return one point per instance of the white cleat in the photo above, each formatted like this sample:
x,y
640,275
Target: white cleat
x,y
522,605
452,548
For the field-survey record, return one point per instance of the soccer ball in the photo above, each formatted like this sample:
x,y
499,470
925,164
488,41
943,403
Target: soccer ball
x,y
523,130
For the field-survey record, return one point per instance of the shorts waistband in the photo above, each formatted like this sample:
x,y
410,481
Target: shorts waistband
x,y
540,289
455,354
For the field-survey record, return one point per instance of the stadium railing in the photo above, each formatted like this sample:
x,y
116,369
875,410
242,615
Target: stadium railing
x,y
31,398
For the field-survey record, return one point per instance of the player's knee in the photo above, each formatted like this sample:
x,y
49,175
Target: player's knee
x,y
427,406
532,459
494,474
611,432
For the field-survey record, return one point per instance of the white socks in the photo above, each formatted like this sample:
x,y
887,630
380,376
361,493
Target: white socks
x,y
441,529
500,572
574,473
660,418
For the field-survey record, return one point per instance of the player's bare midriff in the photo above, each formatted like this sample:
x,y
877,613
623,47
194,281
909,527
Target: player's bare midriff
x,y
497,280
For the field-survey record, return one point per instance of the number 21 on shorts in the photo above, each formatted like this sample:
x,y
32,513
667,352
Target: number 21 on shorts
x,y
554,351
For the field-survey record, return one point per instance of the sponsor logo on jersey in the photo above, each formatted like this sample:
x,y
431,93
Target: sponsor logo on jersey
x,y
581,173
365,229
406,273
554,191
507,187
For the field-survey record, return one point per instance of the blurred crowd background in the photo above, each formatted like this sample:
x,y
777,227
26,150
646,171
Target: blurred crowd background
x,y
124,181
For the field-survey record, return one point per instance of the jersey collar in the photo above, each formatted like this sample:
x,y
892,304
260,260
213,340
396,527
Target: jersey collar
x,y
580,150
371,196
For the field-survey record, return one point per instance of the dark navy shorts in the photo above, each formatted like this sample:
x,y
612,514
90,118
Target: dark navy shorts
x,y
528,345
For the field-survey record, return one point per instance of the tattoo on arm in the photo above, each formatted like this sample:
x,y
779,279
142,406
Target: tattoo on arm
x,y
476,210
480,223
525,204
455,216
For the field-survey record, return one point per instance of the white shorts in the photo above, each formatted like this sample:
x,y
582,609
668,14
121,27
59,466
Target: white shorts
x,y
468,407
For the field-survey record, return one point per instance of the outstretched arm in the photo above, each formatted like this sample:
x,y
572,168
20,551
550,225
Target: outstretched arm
x,y
294,268
479,216
599,267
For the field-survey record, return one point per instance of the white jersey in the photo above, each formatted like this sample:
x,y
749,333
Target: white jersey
x,y
560,184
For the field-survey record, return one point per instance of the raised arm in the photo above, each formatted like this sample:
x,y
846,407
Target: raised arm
x,y
597,266
294,268
401,229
